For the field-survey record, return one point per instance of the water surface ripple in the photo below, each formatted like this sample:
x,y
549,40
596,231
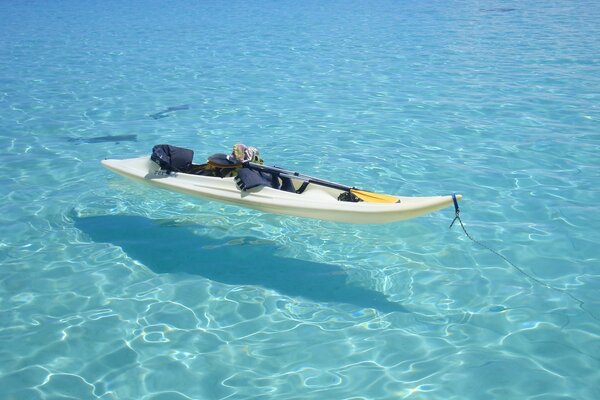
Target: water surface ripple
x,y
111,290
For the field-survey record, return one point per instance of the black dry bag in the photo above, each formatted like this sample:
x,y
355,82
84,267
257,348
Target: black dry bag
x,y
172,158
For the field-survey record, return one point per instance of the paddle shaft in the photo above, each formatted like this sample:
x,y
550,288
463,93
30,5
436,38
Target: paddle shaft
x,y
361,194
298,175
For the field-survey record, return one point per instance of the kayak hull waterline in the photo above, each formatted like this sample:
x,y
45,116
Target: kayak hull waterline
x,y
316,201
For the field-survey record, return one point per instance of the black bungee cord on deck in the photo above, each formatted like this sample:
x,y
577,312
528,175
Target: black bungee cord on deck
x,y
529,276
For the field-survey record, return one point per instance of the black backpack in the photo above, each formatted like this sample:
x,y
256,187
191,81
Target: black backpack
x,y
172,158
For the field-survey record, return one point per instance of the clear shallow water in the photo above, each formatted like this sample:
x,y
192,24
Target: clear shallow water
x,y
115,291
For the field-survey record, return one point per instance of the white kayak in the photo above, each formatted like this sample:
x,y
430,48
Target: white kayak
x,y
315,201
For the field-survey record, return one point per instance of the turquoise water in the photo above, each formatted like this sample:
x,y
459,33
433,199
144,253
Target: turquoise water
x,y
113,290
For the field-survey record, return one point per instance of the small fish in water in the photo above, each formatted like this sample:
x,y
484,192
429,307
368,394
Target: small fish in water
x,y
104,139
165,113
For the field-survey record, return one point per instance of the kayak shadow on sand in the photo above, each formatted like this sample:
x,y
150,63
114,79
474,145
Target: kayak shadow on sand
x,y
168,247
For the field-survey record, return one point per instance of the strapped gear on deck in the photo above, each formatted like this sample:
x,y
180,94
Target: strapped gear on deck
x,y
172,158
178,159
242,153
249,178
218,165
228,165
348,196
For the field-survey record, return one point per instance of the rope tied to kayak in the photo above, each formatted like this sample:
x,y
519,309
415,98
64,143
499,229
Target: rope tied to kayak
x,y
509,262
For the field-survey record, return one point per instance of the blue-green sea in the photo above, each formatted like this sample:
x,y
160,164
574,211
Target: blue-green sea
x,y
114,290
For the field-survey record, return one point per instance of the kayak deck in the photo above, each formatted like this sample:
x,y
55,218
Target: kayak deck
x,y
315,201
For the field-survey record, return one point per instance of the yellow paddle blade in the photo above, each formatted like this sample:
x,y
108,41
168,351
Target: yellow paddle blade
x,y
374,197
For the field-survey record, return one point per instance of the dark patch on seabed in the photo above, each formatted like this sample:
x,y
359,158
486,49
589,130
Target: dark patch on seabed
x,y
165,247
168,111
105,139
500,9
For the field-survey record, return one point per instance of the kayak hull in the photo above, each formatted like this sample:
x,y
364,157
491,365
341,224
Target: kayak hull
x,y
316,201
